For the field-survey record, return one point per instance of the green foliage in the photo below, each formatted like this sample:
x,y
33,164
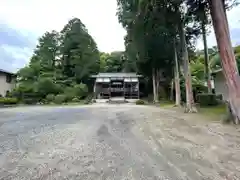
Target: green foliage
x,y
207,99
78,90
61,62
8,101
88,99
70,93
50,97
215,60
29,101
81,90
140,102
113,62
46,86
76,100
60,98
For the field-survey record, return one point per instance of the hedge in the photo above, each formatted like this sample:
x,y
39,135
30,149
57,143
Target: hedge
x,y
60,98
207,99
140,102
8,101
50,97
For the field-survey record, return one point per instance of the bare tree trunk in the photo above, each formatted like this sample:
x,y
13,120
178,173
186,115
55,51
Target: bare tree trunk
x,y
154,85
176,76
172,88
228,60
188,78
157,80
206,58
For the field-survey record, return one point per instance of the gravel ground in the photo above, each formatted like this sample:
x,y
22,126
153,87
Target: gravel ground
x,y
119,142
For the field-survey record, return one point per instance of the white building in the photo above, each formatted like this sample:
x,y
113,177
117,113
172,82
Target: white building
x,y
220,84
116,86
7,82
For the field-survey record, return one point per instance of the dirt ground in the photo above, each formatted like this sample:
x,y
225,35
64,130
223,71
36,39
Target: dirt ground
x,y
115,142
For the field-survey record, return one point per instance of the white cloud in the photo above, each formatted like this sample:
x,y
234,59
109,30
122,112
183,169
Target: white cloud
x,y
33,17
39,16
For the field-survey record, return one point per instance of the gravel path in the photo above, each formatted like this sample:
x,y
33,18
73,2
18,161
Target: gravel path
x,y
116,142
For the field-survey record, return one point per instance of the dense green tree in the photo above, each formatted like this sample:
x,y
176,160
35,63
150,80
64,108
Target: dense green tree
x,y
60,61
80,56
113,62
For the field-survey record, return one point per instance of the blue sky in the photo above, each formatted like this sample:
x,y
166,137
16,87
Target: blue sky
x,y
22,22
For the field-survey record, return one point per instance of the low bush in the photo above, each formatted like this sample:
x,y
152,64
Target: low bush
x,y
140,102
75,100
219,97
81,90
29,101
88,99
8,101
207,99
60,98
50,97
69,92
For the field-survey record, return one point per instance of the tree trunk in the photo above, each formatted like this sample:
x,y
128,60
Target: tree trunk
x,y
172,89
154,85
176,76
228,60
188,78
157,80
206,58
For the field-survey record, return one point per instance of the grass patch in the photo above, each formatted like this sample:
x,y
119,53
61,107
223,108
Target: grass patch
x,y
215,113
214,110
166,104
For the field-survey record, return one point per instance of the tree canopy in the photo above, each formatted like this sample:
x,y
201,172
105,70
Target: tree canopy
x,y
60,60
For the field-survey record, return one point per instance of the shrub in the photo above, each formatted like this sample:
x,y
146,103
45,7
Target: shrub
x,y
81,90
8,94
219,97
140,102
44,101
88,99
50,97
69,93
75,100
207,99
8,101
60,98
29,101
46,86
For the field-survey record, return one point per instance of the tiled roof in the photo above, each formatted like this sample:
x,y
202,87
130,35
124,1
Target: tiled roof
x,y
5,71
115,75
